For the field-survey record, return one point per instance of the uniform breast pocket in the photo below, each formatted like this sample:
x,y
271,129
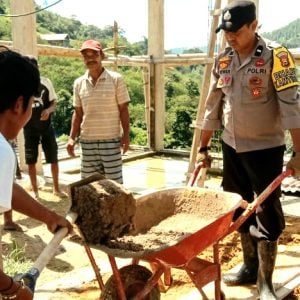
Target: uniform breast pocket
x,y
255,88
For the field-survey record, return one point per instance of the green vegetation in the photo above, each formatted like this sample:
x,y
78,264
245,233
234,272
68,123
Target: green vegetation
x,y
15,262
288,36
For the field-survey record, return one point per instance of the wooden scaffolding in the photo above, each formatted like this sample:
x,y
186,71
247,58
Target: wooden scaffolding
x,y
153,65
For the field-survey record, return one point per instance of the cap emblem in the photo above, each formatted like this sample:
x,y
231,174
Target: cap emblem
x,y
227,16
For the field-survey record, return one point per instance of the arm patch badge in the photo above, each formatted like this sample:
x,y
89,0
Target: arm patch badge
x,y
284,70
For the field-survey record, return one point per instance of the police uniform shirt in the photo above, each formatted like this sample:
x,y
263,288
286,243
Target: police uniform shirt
x,y
253,109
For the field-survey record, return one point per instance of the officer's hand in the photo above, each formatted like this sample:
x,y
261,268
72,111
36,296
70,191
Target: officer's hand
x,y
294,164
204,158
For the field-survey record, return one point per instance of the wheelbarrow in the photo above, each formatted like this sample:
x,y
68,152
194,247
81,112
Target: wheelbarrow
x,y
207,227
161,212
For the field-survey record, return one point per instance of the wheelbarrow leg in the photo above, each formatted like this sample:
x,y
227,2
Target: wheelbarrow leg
x,y
163,285
203,272
218,292
94,265
118,279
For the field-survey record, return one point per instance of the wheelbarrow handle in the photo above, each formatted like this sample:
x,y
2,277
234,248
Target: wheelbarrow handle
x,y
195,174
31,276
259,200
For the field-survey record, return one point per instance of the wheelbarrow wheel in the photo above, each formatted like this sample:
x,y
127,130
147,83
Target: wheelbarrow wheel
x,y
134,279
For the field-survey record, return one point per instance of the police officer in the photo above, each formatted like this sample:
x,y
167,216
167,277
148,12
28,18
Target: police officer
x,y
253,97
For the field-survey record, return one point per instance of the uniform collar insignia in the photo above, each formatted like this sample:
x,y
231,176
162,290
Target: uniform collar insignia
x,y
258,50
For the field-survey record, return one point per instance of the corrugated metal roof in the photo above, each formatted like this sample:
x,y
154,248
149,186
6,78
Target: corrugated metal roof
x,y
54,37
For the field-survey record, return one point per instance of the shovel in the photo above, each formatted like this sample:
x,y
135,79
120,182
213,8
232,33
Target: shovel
x,y
31,276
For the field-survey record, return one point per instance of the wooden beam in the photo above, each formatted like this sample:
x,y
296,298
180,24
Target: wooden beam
x,y
169,60
203,95
156,51
24,40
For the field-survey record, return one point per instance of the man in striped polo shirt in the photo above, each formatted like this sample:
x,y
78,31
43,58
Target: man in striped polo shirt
x,y
100,116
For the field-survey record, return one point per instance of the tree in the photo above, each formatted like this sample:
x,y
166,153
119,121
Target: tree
x,y
181,134
63,113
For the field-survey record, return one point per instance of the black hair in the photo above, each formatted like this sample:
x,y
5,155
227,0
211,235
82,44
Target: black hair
x,y
32,59
18,77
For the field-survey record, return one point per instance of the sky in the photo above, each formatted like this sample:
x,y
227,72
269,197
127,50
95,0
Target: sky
x,y
186,21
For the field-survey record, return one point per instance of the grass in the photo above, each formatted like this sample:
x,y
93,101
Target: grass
x,y
15,262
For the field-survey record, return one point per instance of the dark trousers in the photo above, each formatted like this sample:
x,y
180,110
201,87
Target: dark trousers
x,y
248,174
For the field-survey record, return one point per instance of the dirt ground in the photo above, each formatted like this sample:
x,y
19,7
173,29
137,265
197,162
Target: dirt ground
x,y
71,257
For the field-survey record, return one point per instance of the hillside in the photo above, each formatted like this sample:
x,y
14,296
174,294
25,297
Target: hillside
x,y
49,22
288,35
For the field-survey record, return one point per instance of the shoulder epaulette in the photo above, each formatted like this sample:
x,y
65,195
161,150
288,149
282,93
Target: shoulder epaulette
x,y
273,45
284,69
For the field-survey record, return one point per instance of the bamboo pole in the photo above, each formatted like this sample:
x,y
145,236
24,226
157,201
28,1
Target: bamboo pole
x,y
156,50
24,40
147,95
169,60
204,92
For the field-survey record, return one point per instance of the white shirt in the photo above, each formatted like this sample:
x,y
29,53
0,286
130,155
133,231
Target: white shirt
x,y
7,163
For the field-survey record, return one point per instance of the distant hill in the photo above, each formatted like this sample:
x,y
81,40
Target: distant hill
x,y
181,50
288,35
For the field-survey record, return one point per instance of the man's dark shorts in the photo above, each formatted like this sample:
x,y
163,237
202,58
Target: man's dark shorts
x,y
49,145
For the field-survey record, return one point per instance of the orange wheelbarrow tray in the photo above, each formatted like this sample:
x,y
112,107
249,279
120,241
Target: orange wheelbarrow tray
x,y
206,217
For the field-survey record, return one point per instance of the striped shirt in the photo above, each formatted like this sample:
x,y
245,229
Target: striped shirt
x,y
99,102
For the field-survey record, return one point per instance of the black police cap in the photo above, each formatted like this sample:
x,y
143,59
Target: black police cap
x,y
236,14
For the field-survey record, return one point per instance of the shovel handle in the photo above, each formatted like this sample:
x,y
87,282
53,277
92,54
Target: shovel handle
x,y
260,199
195,174
51,248
31,276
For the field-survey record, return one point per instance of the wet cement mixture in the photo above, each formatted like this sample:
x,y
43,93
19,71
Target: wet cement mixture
x,y
187,211
105,210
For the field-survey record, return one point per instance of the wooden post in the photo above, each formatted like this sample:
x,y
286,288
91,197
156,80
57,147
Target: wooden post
x,y
146,77
152,107
116,43
156,50
204,90
24,41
